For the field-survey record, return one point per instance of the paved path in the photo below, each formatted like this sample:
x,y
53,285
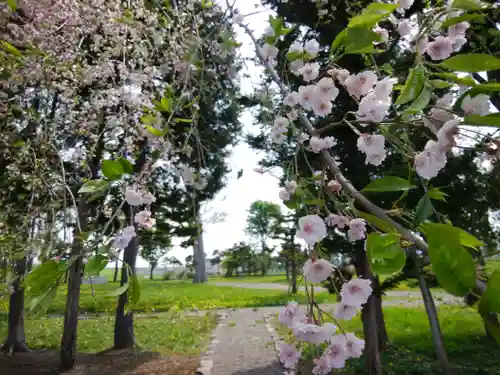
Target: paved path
x,y
242,345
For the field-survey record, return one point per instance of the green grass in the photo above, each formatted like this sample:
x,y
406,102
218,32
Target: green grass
x,y
166,333
412,351
274,279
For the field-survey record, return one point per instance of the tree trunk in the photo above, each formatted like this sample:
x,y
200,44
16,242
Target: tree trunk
x,y
124,323
16,340
151,272
437,337
115,275
68,343
373,366
200,274
293,269
383,338
287,269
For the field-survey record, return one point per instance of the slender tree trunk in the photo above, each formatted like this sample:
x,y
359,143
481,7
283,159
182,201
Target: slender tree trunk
x,y
67,356
200,274
383,338
16,341
432,315
151,272
294,269
115,276
373,365
287,269
124,323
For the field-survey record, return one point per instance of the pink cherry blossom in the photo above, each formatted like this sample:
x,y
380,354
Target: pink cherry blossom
x,y
317,270
478,105
309,71
335,353
291,314
289,355
458,29
321,366
345,312
356,292
333,186
313,333
360,84
441,48
353,346
337,220
312,229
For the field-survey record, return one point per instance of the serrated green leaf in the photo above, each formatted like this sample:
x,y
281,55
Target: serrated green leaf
x,y
372,14
93,186
421,101
389,183
474,17
338,41
127,166
467,4
360,40
488,120
490,300
471,63
112,169
385,254
95,265
413,85
423,210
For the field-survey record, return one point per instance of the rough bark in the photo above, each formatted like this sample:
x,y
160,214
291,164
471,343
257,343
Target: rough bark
x,y
151,272
200,274
16,340
115,275
124,323
67,355
373,365
437,337
383,338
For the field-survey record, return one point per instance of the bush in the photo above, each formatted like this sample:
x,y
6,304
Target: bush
x,y
169,275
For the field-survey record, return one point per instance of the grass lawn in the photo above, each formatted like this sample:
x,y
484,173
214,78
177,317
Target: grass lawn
x,y
166,333
274,279
412,351
165,295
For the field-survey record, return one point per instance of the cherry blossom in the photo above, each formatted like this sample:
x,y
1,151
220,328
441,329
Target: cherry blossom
x,y
317,144
326,89
383,33
441,48
291,99
289,355
312,229
317,270
360,84
322,108
309,71
340,75
405,4
291,314
345,312
353,346
306,96
333,186
268,51
404,27
338,221
133,197
430,161
458,29
144,219
478,105
312,48
373,146
335,353
421,45
321,366
313,333
356,292
357,229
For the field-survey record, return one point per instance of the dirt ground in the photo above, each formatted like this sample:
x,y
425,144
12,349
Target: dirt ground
x,y
116,362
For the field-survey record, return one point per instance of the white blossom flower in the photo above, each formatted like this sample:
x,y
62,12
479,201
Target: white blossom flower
x,y
383,33
457,29
338,221
281,122
353,346
269,31
421,45
133,197
312,229
309,71
317,144
313,333
268,52
144,219
147,198
321,366
405,4
441,48
333,186
336,352
478,105
295,66
356,292
372,109
345,312
312,48
446,135
404,27
291,99
340,75
291,314
121,241
129,231
307,96
317,270
296,48
292,115
430,161
326,89
302,137
373,146
322,108
360,84
284,195
289,355
383,88
357,229
458,42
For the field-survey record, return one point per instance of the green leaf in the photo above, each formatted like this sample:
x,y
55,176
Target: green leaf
x,y
474,17
373,13
149,119
464,238
156,132
360,40
468,81
338,41
40,304
134,290
12,4
453,265
488,120
389,183
490,300
126,165
491,328
183,120
375,221
44,277
112,169
7,47
440,84
436,194
423,210
95,265
413,85
315,202
468,240
467,4
483,88
421,101
471,63
94,186
385,254
119,291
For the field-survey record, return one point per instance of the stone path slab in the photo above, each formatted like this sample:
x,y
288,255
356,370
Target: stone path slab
x,y
242,345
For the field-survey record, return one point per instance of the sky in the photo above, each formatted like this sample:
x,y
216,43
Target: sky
x,y
235,199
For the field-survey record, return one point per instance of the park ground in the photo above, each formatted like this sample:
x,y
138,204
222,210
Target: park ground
x,y
176,318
